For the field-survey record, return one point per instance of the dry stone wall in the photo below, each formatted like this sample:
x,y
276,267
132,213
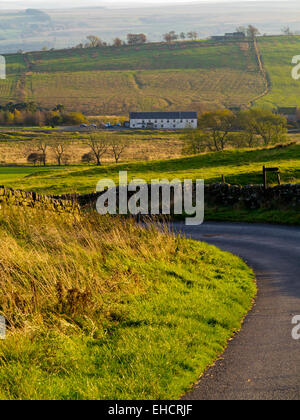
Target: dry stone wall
x,y
225,195
9,196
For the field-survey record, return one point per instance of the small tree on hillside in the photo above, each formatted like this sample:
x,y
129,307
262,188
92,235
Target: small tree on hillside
x,y
118,147
252,32
35,158
42,148
272,128
219,124
88,158
117,42
59,151
170,37
192,35
287,31
136,39
94,41
99,147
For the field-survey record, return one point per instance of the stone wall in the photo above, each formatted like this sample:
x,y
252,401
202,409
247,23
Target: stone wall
x,y
226,195
9,196
253,196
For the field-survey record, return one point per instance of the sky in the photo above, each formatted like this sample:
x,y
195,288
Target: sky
x,y
84,3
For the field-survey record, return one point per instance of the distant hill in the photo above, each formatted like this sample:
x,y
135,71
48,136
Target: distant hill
x,y
72,25
39,14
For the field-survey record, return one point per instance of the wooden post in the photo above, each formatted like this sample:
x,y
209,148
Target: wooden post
x,y
223,179
278,178
265,177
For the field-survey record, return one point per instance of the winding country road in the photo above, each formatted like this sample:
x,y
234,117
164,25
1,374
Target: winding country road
x,y
263,360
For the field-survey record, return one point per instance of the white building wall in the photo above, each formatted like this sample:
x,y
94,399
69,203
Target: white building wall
x,y
164,124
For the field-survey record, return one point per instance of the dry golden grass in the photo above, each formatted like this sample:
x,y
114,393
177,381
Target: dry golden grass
x,y
100,308
54,269
141,146
118,92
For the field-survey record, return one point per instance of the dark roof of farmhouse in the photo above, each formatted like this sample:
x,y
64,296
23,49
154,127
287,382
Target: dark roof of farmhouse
x,y
163,115
292,110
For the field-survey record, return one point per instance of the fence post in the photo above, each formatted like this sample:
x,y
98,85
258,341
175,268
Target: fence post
x,y
265,177
278,178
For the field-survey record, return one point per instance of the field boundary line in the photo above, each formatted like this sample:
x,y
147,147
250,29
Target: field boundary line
x,y
263,72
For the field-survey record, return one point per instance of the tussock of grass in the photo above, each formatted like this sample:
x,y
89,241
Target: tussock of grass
x,y
100,308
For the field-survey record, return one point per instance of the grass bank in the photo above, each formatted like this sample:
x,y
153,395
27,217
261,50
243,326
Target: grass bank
x,y
99,308
242,167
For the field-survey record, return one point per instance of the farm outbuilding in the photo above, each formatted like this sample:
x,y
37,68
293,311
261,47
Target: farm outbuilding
x,y
290,113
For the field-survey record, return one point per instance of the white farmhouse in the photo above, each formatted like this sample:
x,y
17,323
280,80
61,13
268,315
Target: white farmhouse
x,y
163,120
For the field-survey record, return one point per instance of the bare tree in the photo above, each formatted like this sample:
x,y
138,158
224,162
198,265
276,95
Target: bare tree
x,y
118,146
252,32
94,41
135,39
42,147
99,147
192,35
287,31
117,42
170,36
59,150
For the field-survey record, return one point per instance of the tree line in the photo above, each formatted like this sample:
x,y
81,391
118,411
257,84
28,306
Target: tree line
x,y
30,114
221,129
99,147
94,41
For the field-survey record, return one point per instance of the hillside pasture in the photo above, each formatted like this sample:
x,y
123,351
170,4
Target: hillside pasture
x,y
277,54
117,92
152,56
8,90
155,76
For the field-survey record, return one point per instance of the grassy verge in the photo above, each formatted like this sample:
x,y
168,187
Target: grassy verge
x,y
277,216
99,308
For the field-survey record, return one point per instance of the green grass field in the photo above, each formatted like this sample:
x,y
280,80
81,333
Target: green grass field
x,y
99,308
239,167
152,56
186,75
277,54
